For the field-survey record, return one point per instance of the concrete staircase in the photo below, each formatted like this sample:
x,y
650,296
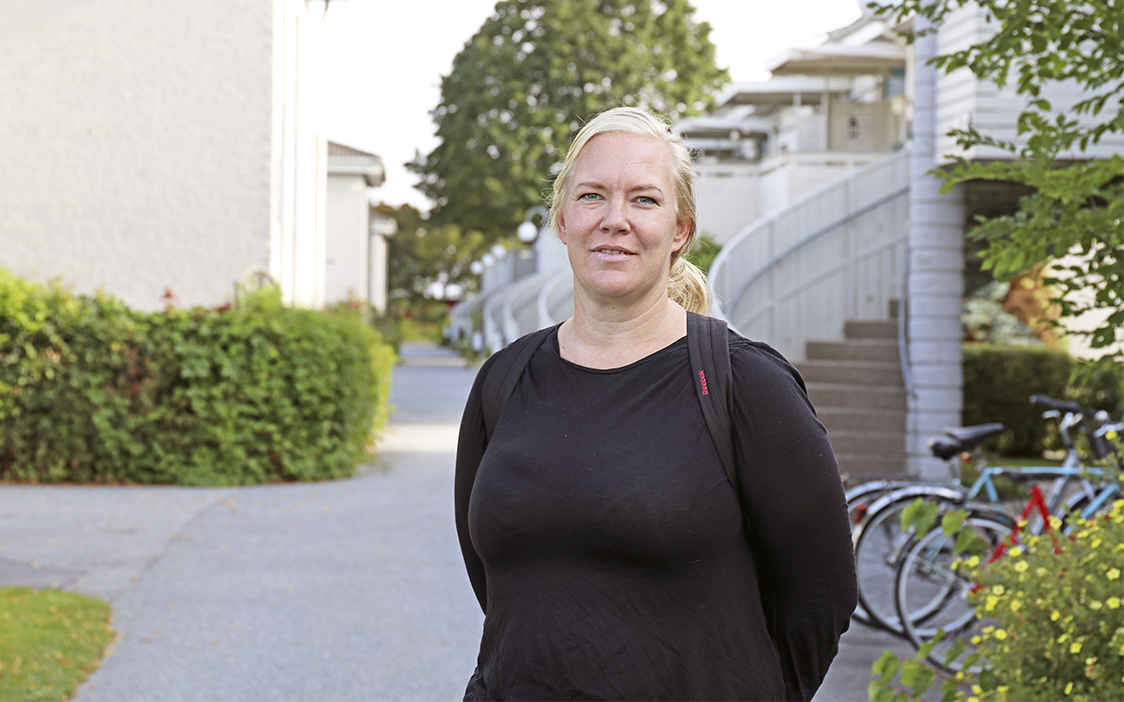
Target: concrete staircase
x,y
856,386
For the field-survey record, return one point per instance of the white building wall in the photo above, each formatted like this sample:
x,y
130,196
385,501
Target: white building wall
x,y
299,157
963,101
379,257
728,198
134,158
936,281
347,260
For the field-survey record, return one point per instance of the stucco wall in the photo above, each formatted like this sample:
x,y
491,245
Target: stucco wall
x,y
135,139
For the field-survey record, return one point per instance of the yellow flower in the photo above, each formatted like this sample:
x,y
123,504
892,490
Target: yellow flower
x,y
1097,542
1055,523
1091,661
973,561
1094,604
1015,552
1016,605
992,600
1062,638
1002,634
1114,574
1041,572
998,589
1055,615
1075,647
1021,566
1113,602
976,640
1068,688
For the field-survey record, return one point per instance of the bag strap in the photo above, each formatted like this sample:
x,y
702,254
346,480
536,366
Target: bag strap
x,y
709,349
505,373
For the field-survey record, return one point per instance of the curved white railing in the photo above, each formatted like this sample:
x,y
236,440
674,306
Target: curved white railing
x,y
556,299
836,254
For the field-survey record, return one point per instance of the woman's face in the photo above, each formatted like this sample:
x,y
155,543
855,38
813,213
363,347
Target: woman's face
x,y
619,221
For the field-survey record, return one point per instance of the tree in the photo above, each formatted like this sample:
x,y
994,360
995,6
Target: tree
x,y
421,254
531,75
1075,210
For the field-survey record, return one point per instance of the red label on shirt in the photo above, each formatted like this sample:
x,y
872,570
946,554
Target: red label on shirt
x,y
702,379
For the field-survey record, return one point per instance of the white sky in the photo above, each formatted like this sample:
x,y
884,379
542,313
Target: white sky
x,y
384,59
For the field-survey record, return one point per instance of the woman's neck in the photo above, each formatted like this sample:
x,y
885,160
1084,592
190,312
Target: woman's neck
x,y
606,337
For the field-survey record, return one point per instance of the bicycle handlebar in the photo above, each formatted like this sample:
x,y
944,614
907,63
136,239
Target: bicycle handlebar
x,y
1043,401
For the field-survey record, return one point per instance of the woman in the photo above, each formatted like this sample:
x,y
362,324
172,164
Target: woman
x,y
602,537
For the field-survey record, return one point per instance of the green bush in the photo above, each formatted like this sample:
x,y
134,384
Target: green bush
x,y
1050,623
998,383
91,391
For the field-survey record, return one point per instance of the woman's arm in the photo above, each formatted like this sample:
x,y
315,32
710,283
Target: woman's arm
x,y
470,449
793,493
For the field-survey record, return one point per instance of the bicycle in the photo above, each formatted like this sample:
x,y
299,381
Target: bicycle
x,y
879,537
930,587
931,595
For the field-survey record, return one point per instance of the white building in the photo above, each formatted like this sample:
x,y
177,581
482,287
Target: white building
x,y
163,146
857,272
356,261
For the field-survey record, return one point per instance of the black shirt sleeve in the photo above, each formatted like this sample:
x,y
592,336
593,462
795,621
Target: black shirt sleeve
x,y
471,444
797,511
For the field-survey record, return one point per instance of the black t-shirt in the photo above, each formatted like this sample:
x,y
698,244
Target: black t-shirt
x,y
607,546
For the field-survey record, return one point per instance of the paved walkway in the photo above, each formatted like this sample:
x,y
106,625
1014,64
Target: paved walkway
x,y
344,590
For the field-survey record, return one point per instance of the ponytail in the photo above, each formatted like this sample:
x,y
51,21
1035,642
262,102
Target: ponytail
x,y
688,286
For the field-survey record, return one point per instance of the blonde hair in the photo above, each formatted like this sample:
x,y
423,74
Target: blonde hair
x,y
687,285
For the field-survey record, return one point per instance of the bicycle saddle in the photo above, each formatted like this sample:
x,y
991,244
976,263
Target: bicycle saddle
x,y
957,439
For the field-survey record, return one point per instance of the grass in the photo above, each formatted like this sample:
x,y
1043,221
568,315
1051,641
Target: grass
x,y
52,640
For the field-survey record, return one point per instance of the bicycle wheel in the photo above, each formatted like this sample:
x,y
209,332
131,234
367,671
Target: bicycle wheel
x,y
879,541
861,497
859,500
931,588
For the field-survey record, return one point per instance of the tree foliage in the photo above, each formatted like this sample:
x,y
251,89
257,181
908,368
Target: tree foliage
x,y
1074,217
422,254
528,78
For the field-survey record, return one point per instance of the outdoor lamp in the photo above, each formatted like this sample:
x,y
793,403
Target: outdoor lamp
x,y
477,267
499,251
528,232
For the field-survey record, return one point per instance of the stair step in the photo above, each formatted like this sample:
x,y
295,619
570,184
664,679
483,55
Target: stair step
x,y
849,397
848,372
883,444
885,350
870,329
859,467
836,419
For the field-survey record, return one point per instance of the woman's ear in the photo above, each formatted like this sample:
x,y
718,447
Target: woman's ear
x,y
682,232
560,228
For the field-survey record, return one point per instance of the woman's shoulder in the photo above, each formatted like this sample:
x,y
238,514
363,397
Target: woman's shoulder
x,y
758,361
515,353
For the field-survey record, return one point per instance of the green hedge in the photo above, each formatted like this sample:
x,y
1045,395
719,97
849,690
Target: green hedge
x,y
92,391
998,383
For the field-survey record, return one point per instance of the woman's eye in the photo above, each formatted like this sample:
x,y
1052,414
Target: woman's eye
x,y
645,200
588,196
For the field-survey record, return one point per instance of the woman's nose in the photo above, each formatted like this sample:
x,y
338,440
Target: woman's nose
x,y
615,217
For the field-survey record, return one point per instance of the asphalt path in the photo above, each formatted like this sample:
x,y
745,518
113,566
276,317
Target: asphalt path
x,y
344,590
